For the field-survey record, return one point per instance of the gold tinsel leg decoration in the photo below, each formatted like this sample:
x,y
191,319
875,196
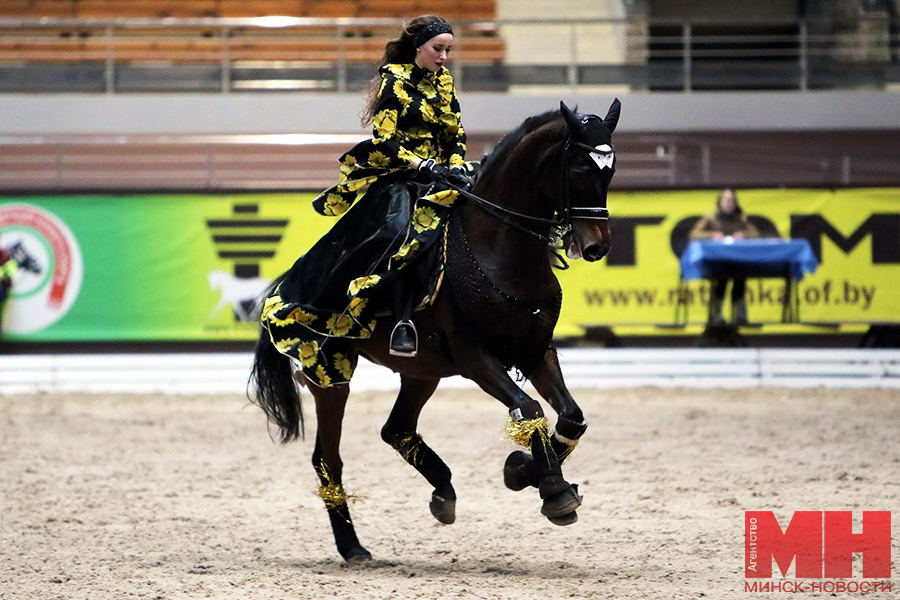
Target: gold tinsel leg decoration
x,y
521,432
409,447
331,492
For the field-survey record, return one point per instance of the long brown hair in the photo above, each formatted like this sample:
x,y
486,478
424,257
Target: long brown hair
x,y
403,51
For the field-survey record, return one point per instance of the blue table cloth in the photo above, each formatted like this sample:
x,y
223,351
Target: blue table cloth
x,y
752,258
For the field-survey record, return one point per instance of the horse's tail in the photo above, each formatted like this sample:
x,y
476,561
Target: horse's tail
x,y
276,391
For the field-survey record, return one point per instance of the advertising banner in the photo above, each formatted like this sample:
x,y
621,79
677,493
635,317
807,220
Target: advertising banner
x,y
191,267
854,233
167,267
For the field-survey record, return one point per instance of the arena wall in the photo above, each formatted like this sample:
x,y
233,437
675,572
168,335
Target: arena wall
x,y
483,112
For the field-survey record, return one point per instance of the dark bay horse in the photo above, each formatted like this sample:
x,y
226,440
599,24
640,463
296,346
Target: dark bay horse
x,y
496,310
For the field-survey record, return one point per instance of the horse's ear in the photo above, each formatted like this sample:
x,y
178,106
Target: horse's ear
x,y
612,117
571,118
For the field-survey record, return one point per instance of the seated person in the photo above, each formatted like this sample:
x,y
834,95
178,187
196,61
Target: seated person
x,y
728,221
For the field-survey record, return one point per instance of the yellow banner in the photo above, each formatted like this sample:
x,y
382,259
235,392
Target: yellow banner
x,y
855,234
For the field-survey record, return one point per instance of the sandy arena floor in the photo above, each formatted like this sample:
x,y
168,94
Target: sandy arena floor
x,y
167,497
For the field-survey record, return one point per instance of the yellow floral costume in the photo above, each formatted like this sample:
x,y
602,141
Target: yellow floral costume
x,y
331,293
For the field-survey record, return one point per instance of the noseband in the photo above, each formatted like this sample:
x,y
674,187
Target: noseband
x,y
602,156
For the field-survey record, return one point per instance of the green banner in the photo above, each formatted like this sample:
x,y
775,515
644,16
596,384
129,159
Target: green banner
x,y
188,267
169,267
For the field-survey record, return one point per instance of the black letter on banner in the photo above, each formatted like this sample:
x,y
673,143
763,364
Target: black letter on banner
x,y
885,230
623,252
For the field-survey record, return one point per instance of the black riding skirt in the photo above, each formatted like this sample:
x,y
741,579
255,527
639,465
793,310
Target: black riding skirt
x,y
331,294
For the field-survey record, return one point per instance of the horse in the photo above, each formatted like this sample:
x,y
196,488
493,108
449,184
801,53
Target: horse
x,y
498,304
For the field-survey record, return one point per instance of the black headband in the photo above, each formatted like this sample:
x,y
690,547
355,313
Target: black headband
x,y
429,31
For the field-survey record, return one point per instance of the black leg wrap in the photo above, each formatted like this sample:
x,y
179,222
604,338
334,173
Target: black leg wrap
x,y
570,429
566,436
561,449
345,536
426,461
551,479
553,484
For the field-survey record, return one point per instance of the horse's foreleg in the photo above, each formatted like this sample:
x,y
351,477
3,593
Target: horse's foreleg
x,y
330,404
520,470
400,432
528,427
570,424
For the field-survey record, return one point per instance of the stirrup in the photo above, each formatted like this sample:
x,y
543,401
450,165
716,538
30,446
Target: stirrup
x,y
415,333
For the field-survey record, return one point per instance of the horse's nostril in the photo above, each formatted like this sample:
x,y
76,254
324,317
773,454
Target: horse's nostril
x,y
595,252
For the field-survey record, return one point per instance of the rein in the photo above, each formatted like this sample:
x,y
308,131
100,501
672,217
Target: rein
x,y
500,212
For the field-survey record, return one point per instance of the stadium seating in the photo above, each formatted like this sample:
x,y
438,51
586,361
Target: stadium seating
x,y
402,9
188,44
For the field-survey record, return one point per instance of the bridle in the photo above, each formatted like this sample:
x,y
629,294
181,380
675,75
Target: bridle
x,y
602,156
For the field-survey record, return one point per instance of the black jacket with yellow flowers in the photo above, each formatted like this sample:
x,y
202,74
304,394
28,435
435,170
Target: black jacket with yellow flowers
x,y
416,116
332,292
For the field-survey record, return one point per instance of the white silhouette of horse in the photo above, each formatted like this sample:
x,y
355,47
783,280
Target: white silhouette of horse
x,y
239,292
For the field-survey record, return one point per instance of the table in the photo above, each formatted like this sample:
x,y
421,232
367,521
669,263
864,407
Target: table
x,y
755,258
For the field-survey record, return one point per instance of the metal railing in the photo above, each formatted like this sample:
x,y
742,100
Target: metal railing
x,y
227,55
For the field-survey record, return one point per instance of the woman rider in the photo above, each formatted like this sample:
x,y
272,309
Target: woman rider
x,y
404,179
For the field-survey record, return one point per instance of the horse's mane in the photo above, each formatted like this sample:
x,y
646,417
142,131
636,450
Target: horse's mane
x,y
500,152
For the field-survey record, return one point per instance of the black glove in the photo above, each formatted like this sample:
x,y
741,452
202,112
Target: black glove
x,y
441,173
459,178
425,171
433,172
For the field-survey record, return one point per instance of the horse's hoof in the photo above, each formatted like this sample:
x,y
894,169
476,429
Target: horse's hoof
x,y
564,519
357,556
443,510
562,503
519,471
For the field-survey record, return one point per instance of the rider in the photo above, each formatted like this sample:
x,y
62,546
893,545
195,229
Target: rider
x,y
406,180
415,112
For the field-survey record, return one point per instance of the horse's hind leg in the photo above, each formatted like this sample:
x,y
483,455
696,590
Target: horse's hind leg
x,y
400,432
330,404
520,471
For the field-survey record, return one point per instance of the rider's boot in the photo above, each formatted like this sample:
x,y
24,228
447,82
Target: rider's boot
x,y
404,337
